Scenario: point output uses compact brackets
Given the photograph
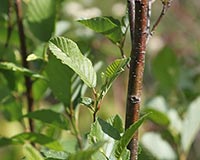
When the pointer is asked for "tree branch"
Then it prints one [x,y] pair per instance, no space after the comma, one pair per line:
[138,29]
[22,38]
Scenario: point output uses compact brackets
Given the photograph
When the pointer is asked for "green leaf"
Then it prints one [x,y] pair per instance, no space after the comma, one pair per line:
[86,154]
[54,154]
[127,136]
[12,110]
[37,138]
[111,73]
[31,153]
[166,69]
[107,26]
[50,117]
[41,13]
[158,117]
[59,80]
[5,141]
[98,135]
[68,52]
[117,123]
[13,67]
[157,146]
[109,129]
[39,89]
[191,125]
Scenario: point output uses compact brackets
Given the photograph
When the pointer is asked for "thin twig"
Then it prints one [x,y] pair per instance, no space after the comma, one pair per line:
[22,38]
[70,114]
[163,11]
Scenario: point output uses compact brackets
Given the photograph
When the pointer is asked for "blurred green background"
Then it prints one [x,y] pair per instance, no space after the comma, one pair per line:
[172,70]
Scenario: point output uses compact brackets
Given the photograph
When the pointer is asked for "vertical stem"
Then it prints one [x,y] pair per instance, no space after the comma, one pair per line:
[138,27]
[28,83]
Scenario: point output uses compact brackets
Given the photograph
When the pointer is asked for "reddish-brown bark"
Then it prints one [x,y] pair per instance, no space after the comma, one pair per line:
[138,29]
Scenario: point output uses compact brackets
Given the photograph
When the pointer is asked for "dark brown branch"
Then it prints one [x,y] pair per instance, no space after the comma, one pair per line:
[22,38]
[138,29]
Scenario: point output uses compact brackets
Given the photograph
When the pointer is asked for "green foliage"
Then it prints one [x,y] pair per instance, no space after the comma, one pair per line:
[107,26]
[41,13]
[111,73]
[32,137]
[31,153]
[191,125]
[63,76]
[69,54]
[48,116]
[127,136]
[12,67]
[166,69]
[59,80]
[86,154]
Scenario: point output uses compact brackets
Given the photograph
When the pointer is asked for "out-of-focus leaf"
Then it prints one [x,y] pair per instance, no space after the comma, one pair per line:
[5,141]
[127,136]
[158,147]
[32,137]
[69,54]
[107,26]
[176,123]
[41,13]
[37,138]
[59,79]
[191,125]
[39,88]
[12,110]
[12,67]
[166,69]
[31,153]
[54,154]
[158,117]
[86,154]
[158,103]
[50,117]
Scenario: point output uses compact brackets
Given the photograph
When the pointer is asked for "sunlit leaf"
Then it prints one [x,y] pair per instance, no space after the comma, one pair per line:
[13,67]
[31,153]
[61,155]
[111,73]
[107,26]
[69,54]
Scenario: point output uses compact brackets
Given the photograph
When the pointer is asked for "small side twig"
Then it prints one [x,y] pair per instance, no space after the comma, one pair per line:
[22,38]
[166,5]
[70,114]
